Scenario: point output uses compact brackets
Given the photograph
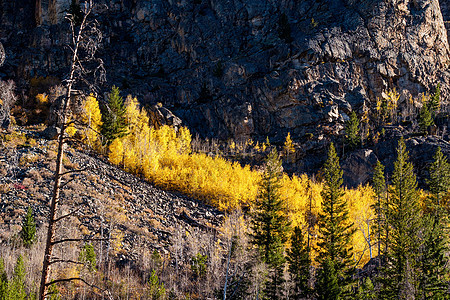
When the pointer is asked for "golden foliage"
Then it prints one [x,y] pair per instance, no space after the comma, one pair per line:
[91,118]
[116,152]
[164,156]
[362,215]
[42,99]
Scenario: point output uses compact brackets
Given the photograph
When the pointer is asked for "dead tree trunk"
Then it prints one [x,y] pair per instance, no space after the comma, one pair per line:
[77,40]
[38,12]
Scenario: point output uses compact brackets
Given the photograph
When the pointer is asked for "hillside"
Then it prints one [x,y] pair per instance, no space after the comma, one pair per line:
[109,203]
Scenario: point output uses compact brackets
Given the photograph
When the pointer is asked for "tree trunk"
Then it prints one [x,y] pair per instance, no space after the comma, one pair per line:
[52,12]
[55,199]
[58,174]
[38,12]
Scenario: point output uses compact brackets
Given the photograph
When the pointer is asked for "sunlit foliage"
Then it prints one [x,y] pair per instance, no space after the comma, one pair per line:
[164,156]
[91,118]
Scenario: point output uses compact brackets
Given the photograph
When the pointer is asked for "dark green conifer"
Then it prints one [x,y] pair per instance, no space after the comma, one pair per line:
[439,181]
[381,228]
[3,281]
[28,232]
[327,285]
[113,117]
[435,101]
[366,290]
[380,206]
[335,233]
[425,119]
[404,219]
[299,260]
[270,224]
[352,137]
[16,287]
[433,284]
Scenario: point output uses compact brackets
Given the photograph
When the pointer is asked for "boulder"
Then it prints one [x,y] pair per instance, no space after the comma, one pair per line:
[51,133]
[358,167]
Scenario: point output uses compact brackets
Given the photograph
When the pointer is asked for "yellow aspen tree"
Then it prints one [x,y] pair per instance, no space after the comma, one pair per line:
[289,147]
[92,118]
[184,141]
[70,129]
[116,152]
[360,201]
[132,113]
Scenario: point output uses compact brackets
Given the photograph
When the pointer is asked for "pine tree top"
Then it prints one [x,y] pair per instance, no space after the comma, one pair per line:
[439,181]
[335,228]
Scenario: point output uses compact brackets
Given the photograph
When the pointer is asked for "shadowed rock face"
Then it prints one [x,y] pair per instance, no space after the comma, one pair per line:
[251,68]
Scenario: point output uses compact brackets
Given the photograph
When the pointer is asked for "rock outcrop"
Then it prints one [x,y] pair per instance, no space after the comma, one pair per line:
[253,68]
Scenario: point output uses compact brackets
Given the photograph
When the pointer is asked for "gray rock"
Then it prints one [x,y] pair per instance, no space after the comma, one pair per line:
[341,53]
[358,167]
[51,132]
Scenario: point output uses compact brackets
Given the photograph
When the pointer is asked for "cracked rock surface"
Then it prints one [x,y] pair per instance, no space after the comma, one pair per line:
[252,68]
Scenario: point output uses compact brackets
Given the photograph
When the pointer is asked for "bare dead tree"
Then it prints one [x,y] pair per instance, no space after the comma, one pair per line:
[7,100]
[86,39]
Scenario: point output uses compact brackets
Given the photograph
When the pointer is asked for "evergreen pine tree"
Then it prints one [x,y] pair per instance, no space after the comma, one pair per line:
[381,228]
[366,290]
[380,206]
[335,234]
[433,284]
[270,224]
[439,181]
[435,101]
[28,232]
[3,281]
[16,287]
[113,118]
[403,217]
[425,119]
[327,285]
[352,137]
[299,260]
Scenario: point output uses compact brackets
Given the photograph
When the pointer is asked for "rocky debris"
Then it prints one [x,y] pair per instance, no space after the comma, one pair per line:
[238,70]
[106,196]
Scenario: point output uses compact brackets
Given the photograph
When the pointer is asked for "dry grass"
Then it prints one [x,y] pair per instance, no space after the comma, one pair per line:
[32,258]
[5,188]
[35,175]
[28,182]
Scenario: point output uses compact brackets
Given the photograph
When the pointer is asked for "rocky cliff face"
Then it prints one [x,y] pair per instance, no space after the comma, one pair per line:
[248,68]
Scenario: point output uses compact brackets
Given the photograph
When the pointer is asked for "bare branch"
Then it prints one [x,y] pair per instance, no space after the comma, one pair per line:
[68,215]
[71,279]
[66,261]
[81,240]
[61,186]
[75,171]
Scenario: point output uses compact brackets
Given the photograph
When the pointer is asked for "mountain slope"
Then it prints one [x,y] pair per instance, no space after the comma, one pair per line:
[253,68]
